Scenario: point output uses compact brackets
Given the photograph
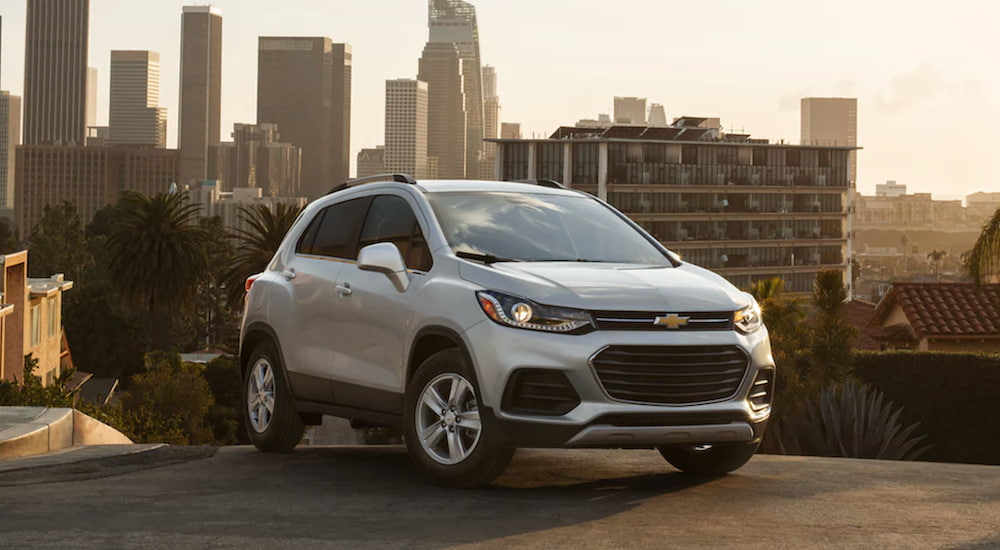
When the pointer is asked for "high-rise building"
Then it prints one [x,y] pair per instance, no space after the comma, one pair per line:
[657,116]
[91,96]
[832,121]
[454,21]
[135,115]
[198,117]
[728,205]
[10,138]
[89,177]
[55,72]
[304,86]
[890,189]
[441,68]
[211,200]
[510,130]
[491,123]
[406,127]
[630,110]
[256,158]
[371,162]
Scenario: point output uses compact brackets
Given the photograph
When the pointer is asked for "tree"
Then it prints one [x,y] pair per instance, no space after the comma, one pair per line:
[156,254]
[832,336]
[168,401]
[256,245]
[57,244]
[8,236]
[216,320]
[936,256]
[982,261]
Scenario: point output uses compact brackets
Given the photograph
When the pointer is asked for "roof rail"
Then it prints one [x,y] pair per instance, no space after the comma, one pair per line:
[400,178]
[543,182]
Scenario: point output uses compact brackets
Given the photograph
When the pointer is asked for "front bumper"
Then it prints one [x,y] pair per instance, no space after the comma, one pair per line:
[600,420]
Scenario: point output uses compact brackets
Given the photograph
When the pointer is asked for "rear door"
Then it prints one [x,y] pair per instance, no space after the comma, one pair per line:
[328,244]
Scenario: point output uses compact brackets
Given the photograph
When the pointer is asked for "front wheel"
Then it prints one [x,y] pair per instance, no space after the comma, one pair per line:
[709,460]
[446,439]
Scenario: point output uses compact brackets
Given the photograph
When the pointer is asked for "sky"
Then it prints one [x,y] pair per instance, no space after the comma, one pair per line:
[926,74]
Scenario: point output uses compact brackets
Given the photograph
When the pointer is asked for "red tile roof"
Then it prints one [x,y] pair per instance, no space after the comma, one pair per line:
[945,309]
[859,313]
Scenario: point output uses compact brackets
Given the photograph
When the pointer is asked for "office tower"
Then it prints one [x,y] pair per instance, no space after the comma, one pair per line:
[55,72]
[10,138]
[454,21]
[630,110]
[201,89]
[135,115]
[510,130]
[406,127]
[371,162]
[441,68]
[91,96]
[657,116]
[257,159]
[832,121]
[304,86]
[89,177]
[491,123]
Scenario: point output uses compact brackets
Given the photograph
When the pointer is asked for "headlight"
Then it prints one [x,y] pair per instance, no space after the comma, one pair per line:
[520,313]
[749,319]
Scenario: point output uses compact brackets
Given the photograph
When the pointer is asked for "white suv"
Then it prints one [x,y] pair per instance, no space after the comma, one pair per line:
[479,317]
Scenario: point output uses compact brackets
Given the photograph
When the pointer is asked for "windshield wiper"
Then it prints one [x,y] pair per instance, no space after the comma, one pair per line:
[485,258]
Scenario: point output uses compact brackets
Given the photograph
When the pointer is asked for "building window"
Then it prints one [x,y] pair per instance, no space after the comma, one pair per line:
[53,317]
[36,325]
[586,159]
[549,161]
[515,161]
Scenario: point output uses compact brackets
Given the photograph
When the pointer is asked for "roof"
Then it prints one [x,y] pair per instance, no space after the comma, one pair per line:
[859,314]
[945,309]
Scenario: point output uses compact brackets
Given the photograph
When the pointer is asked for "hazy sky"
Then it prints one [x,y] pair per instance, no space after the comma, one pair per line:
[926,74]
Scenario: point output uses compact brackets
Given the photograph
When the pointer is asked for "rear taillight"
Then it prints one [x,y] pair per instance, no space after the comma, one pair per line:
[249,283]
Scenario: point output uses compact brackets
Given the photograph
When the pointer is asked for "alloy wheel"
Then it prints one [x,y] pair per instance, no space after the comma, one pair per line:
[260,395]
[447,419]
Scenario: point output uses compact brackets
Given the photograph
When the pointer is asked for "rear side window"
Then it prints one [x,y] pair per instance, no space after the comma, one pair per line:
[390,219]
[334,231]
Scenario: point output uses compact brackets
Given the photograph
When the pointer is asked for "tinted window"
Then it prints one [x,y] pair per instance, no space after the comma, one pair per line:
[306,241]
[337,232]
[390,219]
[536,227]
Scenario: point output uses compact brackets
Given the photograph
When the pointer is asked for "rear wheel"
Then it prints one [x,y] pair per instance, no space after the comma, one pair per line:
[709,460]
[446,439]
[269,413]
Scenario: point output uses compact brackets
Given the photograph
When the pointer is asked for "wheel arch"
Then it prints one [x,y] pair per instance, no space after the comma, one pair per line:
[430,340]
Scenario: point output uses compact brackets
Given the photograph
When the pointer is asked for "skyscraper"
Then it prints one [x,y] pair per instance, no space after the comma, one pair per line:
[55,72]
[441,68]
[630,110]
[454,21]
[91,96]
[304,86]
[371,162]
[657,116]
[406,127]
[256,159]
[10,137]
[201,89]
[136,117]
[832,121]
[491,123]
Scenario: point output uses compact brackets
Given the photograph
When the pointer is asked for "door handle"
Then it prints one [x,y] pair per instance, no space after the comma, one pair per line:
[344,289]
[289,273]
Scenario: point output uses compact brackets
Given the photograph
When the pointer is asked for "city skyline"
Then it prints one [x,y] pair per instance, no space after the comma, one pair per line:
[907,73]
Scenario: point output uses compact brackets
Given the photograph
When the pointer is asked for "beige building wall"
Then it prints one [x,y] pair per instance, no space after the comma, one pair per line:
[831,121]
[406,127]
[630,110]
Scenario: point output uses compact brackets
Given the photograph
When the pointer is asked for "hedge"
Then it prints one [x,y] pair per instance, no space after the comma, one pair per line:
[954,396]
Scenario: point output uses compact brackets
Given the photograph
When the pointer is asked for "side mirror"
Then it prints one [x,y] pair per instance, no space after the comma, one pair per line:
[386,259]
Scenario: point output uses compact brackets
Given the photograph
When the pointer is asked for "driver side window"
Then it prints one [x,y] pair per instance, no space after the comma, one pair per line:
[390,219]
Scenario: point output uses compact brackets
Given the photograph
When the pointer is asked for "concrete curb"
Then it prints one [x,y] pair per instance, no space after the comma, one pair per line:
[39,430]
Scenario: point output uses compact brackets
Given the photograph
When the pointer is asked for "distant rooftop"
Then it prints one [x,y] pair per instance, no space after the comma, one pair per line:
[203,9]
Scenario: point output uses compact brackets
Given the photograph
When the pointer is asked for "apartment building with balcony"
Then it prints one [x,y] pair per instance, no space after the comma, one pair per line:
[746,208]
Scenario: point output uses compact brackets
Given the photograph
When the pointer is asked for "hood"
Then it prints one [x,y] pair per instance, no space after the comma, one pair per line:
[615,287]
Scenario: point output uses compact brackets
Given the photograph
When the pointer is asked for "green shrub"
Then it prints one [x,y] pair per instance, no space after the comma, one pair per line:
[955,397]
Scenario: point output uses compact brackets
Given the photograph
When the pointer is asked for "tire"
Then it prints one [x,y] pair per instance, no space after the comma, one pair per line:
[453,453]
[278,428]
[709,460]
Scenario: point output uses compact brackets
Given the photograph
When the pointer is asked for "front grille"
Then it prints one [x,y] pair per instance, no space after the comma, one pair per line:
[537,391]
[675,375]
[645,320]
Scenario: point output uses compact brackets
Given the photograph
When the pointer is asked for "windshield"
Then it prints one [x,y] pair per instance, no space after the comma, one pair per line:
[540,228]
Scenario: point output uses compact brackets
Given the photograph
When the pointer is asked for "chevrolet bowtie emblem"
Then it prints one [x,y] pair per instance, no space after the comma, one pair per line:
[672,321]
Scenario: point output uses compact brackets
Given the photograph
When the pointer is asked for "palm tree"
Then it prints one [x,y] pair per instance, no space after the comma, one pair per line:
[982,261]
[936,256]
[157,254]
[256,245]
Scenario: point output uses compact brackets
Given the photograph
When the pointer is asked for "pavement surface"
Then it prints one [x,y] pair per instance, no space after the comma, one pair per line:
[370,497]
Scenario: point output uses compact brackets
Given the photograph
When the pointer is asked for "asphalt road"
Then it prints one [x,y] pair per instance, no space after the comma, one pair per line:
[322,497]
